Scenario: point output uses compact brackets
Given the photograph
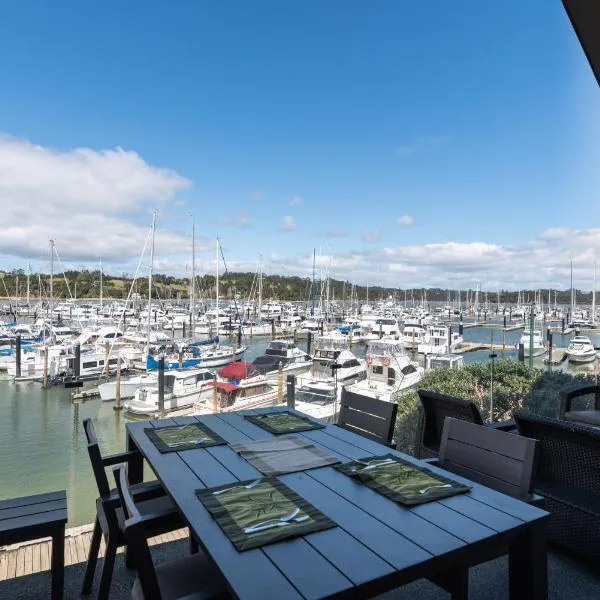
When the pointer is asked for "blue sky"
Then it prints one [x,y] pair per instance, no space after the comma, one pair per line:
[412,143]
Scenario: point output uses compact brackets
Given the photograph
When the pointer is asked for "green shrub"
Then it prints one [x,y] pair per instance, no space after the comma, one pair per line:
[516,386]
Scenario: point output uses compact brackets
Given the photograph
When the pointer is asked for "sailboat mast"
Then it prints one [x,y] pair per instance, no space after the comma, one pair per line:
[572,295]
[150,273]
[101,287]
[28,274]
[312,286]
[260,287]
[193,287]
[217,290]
[51,280]
[594,297]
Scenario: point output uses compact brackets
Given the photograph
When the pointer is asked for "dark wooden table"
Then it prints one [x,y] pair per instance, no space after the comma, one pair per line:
[378,544]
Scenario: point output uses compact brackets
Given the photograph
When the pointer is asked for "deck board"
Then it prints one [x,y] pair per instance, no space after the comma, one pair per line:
[34,557]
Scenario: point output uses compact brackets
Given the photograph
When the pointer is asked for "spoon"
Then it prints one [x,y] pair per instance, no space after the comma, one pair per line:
[274,522]
[233,487]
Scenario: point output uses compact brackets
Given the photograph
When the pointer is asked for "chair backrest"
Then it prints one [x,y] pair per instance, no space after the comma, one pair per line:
[436,407]
[137,538]
[369,417]
[567,396]
[569,458]
[96,458]
[497,459]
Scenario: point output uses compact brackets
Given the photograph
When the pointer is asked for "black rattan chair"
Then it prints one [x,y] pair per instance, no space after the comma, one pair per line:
[435,407]
[151,499]
[586,416]
[568,476]
[194,577]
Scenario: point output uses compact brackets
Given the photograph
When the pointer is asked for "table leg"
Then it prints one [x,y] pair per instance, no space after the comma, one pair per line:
[528,564]
[58,564]
[135,466]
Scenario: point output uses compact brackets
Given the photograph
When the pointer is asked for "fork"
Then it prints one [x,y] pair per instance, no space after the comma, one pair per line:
[198,441]
[285,520]
[425,490]
[233,487]
[373,464]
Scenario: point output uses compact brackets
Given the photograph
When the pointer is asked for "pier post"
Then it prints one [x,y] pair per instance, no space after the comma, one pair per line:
[322,327]
[280,384]
[77,365]
[239,339]
[504,321]
[18,356]
[309,343]
[550,344]
[563,324]
[117,405]
[380,330]
[215,397]
[291,391]
[460,328]
[161,385]
[272,329]
[106,355]
[521,354]
[46,367]
[180,358]
[184,326]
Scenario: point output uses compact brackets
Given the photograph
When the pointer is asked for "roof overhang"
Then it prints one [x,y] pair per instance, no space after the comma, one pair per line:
[585,18]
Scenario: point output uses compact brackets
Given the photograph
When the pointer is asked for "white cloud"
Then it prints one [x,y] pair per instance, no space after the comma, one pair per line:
[405,220]
[288,223]
[371,236]
[240,220]
[94,204]
[296,201]
[336,232]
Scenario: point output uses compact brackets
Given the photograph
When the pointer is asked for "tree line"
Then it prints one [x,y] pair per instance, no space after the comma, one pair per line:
[86,284]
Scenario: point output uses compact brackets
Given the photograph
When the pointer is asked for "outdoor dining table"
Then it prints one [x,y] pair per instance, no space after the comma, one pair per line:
[377,544]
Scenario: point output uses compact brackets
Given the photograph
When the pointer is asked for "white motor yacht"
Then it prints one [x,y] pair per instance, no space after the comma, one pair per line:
[182,390]
[537,346]
[581,350]
[439,339]
[284,354]
[389,371]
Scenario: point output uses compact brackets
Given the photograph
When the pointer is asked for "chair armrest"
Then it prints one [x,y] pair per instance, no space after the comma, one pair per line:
[120,457]
[502,425]
[148,490]
[431,461]
[158,520]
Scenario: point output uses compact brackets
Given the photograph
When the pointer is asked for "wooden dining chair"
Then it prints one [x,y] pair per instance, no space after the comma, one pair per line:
[194,577]
[109,523]
[499,460]
[372,418]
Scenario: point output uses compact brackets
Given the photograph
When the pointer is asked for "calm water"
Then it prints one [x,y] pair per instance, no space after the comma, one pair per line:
[43,448]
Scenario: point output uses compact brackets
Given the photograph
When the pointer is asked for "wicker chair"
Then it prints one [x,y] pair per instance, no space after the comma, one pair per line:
[435,408]
[589,417]
[568,476]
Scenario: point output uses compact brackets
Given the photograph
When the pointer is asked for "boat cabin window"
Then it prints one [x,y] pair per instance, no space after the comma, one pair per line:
[409,369]
[350,363]
[169,383]
[391,376]
[91,364]
[203,377]
[377,370]
[113,361]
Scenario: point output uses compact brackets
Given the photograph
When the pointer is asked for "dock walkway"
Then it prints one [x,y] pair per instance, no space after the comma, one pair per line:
[34,557]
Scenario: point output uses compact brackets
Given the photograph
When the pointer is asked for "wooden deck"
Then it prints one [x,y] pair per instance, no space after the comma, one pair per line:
[33,557]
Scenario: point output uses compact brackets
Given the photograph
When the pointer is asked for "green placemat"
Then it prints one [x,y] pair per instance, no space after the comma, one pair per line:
[257,512]
[176,438]
[283,421]
[402,481]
